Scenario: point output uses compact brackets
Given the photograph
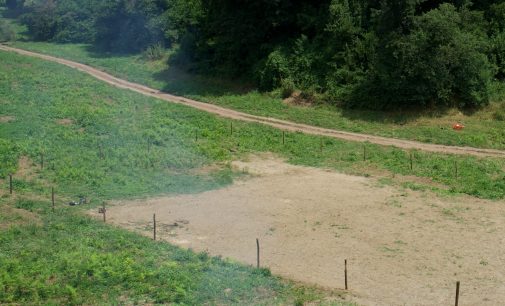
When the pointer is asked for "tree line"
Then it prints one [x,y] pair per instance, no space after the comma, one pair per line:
[376,54]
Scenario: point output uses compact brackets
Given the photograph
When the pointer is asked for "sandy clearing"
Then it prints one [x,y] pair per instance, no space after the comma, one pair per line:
[403,247]
[276,123]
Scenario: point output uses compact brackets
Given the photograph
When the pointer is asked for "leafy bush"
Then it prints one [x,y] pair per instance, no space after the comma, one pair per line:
[154,52]
[287,88]
[6,32]
[275,69]
[436,64]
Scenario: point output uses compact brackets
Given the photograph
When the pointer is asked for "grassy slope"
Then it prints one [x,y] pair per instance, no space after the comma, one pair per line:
[71,259]
[122,123]
[482,130]
[67,258]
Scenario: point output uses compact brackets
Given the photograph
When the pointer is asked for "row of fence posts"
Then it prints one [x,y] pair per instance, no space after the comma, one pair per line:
[103,211]
[365,154]
[258,252]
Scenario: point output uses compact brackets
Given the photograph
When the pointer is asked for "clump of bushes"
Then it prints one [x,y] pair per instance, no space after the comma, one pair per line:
[154,52]
[6,32]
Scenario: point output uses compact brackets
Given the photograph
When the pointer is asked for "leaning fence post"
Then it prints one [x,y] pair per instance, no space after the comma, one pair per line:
[257,253]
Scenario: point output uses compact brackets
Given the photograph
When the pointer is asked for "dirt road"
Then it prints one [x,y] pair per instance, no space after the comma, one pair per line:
[276,123]
[403,247]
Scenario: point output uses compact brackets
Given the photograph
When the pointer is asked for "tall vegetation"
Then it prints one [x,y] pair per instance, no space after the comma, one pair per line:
[385,54]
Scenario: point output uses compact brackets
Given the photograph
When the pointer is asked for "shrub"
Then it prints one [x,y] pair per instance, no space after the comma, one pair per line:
[154,52]
[287,88]
[274,70]
[436,64]
[6,32]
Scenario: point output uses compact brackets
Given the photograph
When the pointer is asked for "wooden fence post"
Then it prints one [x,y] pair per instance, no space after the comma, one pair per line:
[52,198]
[154,227]
[10,183]
[457,293]
[345,274]
[257,253]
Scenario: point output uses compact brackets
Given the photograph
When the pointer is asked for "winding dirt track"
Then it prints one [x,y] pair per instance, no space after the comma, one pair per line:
[276,123]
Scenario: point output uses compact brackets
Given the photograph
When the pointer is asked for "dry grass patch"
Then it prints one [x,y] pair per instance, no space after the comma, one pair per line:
[7,119]
[10,216]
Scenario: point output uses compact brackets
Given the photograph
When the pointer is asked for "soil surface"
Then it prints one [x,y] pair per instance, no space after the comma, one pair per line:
[403,247]
[277,123]
[6,119]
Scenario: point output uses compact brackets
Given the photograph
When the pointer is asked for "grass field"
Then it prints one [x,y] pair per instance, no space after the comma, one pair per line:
[112,143]
[107,143]
[484,128]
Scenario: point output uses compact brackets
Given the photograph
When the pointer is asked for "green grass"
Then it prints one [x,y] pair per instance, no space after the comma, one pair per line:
[485,128]
[73,260]
[122,144]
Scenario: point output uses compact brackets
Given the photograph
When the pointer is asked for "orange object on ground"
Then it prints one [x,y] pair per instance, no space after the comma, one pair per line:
[458,127]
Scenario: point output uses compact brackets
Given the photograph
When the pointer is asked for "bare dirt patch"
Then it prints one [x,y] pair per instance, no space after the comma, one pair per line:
[26,169]
[7,119]
[403,247]
[65,121]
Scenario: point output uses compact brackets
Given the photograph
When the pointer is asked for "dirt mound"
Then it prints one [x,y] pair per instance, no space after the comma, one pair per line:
[403,247]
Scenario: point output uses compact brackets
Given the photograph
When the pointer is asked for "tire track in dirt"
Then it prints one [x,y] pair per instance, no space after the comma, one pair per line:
[276,123]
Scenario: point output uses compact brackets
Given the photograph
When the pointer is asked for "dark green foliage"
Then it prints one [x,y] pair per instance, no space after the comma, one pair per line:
[435,64]
[388,54]
[129,25]
[6,32]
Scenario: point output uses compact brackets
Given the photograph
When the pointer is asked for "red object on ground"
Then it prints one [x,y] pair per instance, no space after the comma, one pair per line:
[458,126]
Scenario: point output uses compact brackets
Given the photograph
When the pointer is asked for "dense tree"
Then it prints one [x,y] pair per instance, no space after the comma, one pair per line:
[357,53]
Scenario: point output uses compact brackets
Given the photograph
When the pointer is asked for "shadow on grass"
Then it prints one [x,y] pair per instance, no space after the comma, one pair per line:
[179,81]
